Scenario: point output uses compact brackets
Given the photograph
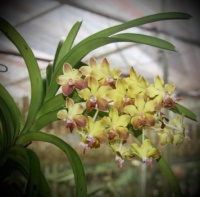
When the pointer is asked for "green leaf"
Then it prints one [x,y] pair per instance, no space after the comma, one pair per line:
[33,69]
[60,43]
[44,187]
[79,175]
[34,175]
[138,22]
[8,132]
[18,155]
[12,115]
[67,44]
[57,102]
[44,120]
[165,168]
[145,39]
[177,108]
[49,72]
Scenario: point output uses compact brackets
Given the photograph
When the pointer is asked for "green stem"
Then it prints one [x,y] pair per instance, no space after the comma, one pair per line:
[95,115]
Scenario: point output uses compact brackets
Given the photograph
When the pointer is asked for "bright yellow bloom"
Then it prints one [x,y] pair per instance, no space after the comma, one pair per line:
[101,72]
[136,84]
[73,116]
[93,134]
[116,125]
[165,136]
[164,93]
[121,151]
[173,132]
[146,151]
[95,95]
[70,79]
[142,113]
[119,95]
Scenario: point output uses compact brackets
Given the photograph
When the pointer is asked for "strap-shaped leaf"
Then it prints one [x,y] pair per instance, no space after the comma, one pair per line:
[79,175]
[166,170]
[49,72]
[177,108]
[138,22]
[34,73]
[44,120]
[57,102]
[145,39]
[13,118]
[27,162]
[44,187]
[34,174]
[19,156]
[67,44]
[8,131]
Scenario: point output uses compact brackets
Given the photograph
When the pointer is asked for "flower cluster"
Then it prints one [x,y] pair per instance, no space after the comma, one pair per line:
[111,105]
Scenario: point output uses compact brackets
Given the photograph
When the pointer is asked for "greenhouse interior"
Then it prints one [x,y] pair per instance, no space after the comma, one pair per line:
[43,24]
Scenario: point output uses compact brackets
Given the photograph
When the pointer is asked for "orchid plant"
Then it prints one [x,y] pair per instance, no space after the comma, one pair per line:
[93,99]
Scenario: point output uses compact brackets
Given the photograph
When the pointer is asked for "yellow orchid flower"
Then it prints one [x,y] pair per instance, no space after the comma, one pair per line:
[95,95]
[73,116]
[92,70]
[116,125]
[165,137]
[119,95]
[146,151]
[136,84]
[101,72]
[121,151]
[142,112]
[173,132]
[93,134]
[164,93]
[70,79]
[178,129]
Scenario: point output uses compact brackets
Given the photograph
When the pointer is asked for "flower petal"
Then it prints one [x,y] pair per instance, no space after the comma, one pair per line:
[136,123]
[62,79]
[93,85]
[115,72]
[149,120]
[67,89]
[150,106]
[93,62]
[158,82]
[123,120]
[139,103]
[85,70]
[67,69]
[77,109]
[80,120]
[62,114]
[169,88]
[123,132]
[151,91]
[130,109]
[105,66]
[102,104]
[80,84]
[84,93]
[114,115]
[121,86]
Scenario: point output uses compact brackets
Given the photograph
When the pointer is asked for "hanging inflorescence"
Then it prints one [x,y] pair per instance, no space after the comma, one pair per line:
[111,105]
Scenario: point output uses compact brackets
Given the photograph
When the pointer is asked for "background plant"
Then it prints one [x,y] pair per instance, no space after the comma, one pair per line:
[16,134]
